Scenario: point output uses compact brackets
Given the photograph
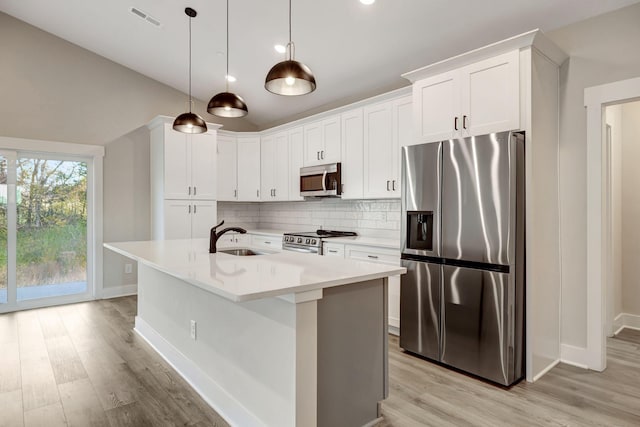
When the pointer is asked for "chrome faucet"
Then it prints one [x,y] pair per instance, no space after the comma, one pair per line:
[214,236]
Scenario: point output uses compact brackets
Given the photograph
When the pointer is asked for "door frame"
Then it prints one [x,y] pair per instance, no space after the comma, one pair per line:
[596,99]
[93,155]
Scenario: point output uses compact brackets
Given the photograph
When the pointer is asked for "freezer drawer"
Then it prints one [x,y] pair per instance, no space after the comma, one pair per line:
[478,324]
[420,308]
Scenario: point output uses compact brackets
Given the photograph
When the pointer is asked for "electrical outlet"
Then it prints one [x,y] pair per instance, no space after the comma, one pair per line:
[193,329]
[128,268]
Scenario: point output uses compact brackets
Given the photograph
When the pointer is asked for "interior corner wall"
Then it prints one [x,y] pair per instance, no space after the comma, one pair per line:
[630,250]
[614,291]
[53,90]
[127,192]
[602,49]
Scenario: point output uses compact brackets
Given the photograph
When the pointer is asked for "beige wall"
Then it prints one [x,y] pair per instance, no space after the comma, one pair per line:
[602,49]
[630,212]
[51,89]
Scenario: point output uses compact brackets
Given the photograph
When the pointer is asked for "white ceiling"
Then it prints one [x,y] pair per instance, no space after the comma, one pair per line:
[353,50]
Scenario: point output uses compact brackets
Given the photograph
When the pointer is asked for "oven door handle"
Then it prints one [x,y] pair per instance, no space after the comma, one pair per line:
[324,181]
[302,250]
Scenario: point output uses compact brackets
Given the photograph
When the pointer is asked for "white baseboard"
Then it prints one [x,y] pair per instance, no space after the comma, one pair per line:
[545,370]
[119,291]
[576,356]
[225,405]
[626,320]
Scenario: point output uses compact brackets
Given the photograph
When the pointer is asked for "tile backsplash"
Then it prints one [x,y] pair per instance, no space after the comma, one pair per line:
[376,218]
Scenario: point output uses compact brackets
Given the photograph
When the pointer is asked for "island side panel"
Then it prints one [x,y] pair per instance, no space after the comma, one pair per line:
[352,353]
[245,351]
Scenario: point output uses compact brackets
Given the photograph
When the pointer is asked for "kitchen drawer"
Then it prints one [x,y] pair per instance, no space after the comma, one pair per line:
[267,242]
[372,254]
[333,249]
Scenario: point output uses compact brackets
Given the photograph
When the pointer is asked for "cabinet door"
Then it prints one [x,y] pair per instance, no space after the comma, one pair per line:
[177,220]
[313,143]
[491,95]
[204,215]
[378,151]
[331,138]
[248,169]
[177,176]
[227,170]
[203,166]
[352,154]
[267,167]
[402,129]
[296,161]
[436,106]
[281,167]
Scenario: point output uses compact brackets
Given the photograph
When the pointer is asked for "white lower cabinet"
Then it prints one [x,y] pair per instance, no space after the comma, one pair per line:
[234,240]
[378,255]
[186,219]
[273,243]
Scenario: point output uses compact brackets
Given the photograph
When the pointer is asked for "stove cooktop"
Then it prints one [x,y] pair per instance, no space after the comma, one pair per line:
[313,238]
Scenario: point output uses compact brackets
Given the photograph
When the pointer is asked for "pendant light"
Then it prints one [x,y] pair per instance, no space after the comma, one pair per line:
[290,77]
[190,122]
[227,104]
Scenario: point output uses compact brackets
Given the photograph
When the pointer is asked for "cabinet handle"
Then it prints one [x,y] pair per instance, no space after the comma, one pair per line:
[257,193]
[267,243]
[317,155]
[194,190]
[455,123]
[235,193]
[189,190]
[194,208]
[464,122]
[274,192]
[372,256]
[189,208]
[388,185]
[322,154]
[333,251]
[393,185]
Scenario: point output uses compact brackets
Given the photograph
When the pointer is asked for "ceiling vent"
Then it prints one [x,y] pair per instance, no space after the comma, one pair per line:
[144,15]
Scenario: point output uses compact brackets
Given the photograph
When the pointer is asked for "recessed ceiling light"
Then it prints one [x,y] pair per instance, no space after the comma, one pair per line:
[230,78]
[280,49]
[367,2]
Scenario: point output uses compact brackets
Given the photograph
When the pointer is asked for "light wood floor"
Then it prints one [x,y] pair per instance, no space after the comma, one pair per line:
[82,365]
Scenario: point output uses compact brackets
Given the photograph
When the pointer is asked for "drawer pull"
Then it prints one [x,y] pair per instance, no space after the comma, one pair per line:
[333,251]
[372,256]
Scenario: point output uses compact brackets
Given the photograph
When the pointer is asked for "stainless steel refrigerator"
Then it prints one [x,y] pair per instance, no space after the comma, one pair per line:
[462,299]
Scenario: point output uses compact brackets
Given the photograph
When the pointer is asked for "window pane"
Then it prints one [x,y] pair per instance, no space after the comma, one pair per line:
[52,228]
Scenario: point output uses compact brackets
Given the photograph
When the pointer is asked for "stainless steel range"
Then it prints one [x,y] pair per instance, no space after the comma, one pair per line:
[310,242]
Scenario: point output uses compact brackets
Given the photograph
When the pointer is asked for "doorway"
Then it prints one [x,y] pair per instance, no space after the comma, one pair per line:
[599,212]
[47,224]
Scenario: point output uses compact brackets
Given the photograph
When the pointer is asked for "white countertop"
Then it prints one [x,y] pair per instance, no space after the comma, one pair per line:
[247,278]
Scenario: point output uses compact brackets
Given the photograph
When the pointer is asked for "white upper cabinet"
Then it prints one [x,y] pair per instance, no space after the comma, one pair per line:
[275,167]
[322,142]
[296,160]
[248,168]
[387,127]
[227,168]
[477,99]
[189,164]
[203,166]
[352,154]
[379,151]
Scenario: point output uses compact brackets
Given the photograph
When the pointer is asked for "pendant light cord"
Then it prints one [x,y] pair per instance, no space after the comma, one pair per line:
[190,101]
[226,78]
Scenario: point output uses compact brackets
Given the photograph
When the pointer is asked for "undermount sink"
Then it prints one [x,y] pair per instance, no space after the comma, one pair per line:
[243,252]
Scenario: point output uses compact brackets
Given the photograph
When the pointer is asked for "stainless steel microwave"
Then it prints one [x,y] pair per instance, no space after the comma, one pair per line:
[321,181]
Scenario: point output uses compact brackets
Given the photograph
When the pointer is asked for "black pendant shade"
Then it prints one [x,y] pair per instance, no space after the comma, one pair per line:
[227,104]
[290,78]
[190,122]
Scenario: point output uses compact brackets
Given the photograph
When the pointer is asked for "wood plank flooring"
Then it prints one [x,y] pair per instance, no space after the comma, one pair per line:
[82,365]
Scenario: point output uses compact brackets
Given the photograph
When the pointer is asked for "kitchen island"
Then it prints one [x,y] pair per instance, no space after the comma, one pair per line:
[281,339]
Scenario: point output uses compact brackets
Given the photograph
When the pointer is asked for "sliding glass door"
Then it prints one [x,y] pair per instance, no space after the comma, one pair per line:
[43,229]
